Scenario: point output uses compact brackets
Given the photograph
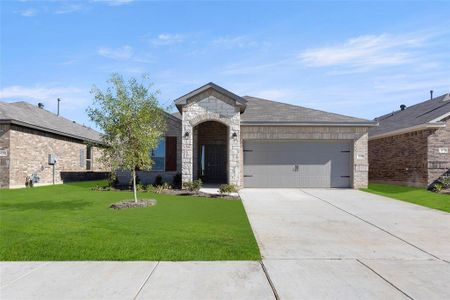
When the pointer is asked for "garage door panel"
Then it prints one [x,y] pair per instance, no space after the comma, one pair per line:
[297,164]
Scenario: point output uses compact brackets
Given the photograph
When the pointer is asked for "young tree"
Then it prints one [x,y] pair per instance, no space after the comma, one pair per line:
[132,121]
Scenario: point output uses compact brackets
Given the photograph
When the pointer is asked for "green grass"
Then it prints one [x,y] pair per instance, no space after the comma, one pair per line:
[414,195]
[71,222]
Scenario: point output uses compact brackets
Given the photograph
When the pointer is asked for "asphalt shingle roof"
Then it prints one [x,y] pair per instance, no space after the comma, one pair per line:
[415,115]
[29,115]
[267,111]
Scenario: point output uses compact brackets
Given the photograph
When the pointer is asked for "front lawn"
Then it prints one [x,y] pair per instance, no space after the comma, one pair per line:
[414,195]
[71,222]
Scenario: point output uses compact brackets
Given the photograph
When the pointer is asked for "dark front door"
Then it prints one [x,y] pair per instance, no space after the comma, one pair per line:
[215,164]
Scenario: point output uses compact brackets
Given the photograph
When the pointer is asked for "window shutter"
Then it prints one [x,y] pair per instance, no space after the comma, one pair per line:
[82,159]
[171,153]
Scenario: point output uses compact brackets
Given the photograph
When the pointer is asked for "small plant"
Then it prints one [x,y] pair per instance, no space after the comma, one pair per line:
[227,189]
[193,186]
[445,180]
[177,181]
[436,187]
[98,188]
[141,187]
[158,180]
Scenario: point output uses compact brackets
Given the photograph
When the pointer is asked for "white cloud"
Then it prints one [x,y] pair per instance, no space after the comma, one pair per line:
[28,12]
[114,2]
[167,39]
[68,8]
[367,51]
[235,42]
[122,53]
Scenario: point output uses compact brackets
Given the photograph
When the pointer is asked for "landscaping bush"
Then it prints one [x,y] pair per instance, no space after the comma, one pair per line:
[158,180]
[193,186]
[436,187]
[442,183]
[141,187]
[227,188]
[98,188]
[177,181]
[163,187]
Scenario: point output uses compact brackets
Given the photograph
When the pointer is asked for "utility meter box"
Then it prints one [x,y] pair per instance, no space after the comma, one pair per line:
[52,159]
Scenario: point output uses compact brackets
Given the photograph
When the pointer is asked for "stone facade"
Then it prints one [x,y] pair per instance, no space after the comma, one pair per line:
[28,154]
[411,158]
[356,134]
[4,158]
[211,106]
[438,163]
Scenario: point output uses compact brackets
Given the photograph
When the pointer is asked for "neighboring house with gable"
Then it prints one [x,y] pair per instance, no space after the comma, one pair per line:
[29,134]
[220,137]
[411,146]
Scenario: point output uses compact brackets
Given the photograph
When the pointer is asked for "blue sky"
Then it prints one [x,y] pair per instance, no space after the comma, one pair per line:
[356,58]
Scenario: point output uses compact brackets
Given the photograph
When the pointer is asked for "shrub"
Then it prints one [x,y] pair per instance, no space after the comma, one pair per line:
[445,180]
[193,186]
[177,181]
[163,187]
[98,188]
[436,187]
[227,188]
[158,180]
[141,187]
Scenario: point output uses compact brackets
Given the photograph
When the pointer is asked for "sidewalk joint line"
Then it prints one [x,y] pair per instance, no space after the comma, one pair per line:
[146,280]
[390,283]
[24,275]
[370,223]
[272,286]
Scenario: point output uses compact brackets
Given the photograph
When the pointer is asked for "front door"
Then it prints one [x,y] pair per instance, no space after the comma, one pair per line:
[214,165]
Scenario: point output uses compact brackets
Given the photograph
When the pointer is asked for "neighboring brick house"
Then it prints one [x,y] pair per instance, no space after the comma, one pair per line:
[220,137]
[411,146]
[29,134]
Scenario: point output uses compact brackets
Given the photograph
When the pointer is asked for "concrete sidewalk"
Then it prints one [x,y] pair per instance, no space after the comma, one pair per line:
[134,280]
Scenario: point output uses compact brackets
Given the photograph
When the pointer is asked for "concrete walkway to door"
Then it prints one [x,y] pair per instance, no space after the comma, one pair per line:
[347,244]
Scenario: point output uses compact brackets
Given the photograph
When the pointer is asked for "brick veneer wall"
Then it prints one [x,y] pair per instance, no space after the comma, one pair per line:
[411,158]
[4,160]
[29,149]
[400,159]
[356,134]
[438,163]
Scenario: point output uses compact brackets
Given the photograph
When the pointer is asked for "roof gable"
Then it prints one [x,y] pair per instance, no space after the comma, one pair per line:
[183,100]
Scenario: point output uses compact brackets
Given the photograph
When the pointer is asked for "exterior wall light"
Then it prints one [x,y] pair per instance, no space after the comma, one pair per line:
[234,135]
[186,134]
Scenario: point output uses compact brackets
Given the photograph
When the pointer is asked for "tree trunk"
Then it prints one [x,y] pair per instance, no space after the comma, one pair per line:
[134,186]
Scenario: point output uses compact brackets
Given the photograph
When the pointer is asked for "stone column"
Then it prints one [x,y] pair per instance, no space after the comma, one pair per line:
[186,151]
[360,162]
[234,150]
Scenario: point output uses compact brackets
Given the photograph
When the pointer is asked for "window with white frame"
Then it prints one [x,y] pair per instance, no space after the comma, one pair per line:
[158,156]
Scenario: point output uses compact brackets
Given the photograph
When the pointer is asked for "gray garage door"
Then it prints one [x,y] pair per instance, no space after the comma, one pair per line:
[297,164]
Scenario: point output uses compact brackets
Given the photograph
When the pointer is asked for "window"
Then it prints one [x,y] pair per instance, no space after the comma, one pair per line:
[164,156]
[158,156]
[89,158]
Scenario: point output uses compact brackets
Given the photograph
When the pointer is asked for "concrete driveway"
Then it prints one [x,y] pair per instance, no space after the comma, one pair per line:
[347,244]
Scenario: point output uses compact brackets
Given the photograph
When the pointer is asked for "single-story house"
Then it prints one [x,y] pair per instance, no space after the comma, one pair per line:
[220,137]
[32,139]
[411,145]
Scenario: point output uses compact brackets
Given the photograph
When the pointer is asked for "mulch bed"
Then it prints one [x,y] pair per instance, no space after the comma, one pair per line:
[179,192]
[133,204]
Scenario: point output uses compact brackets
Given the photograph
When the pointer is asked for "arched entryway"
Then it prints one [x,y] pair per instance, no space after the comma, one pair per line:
[210,161]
